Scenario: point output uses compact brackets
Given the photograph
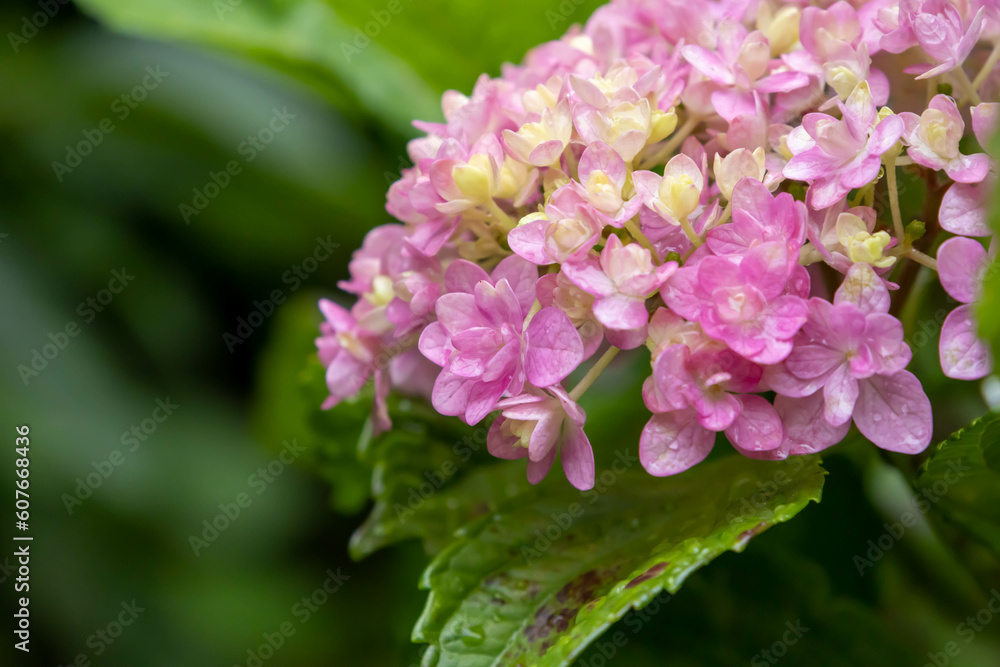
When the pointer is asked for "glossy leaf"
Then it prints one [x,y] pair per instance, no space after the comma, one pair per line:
[550,570]
[961,479]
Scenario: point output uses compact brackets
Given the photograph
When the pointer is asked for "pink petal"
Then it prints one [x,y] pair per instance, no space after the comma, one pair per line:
[522,275]
[463,275]
[806,431]
[673,442]
[964,356]
[600,157]
[621,312]
[960,261]
[577,456]
[963,209]
[537,470]
[588,276]
[969,168]
[503,446]
[758,426]
[717,412]
[554,348]
[841,394]
[708,63]
[451,393]
[895,413]
[528,241]
[482,399]
[457,312]
[864,288]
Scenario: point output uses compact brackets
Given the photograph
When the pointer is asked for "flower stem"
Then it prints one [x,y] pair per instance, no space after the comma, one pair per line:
[897,219]
[691,234]
[966,85]
[637,234]
[594,373]
[988,66]
[922,258]
[676,140]
[500,216]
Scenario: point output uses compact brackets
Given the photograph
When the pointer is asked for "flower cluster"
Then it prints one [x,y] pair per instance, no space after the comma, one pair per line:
[714,181]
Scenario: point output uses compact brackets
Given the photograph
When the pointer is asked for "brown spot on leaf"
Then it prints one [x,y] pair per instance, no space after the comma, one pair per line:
[647,575]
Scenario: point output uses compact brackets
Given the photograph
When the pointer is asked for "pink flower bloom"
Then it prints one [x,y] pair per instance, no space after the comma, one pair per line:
[602,173]
[567,230]
[704,387]
[835,156]
[825,32]
[677,193]
[854,350]
[740,64]
[932,139]
[760,217]
[963,208]
[937,26]
[621,281]
[541,142]
[961,265]
[348,352]
[741,301]
[555,289]
[537,424]
[482,343]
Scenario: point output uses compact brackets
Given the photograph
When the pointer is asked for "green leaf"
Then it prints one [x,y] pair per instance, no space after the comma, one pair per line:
[303,38]
[432,475]
[961,479]
[539,579]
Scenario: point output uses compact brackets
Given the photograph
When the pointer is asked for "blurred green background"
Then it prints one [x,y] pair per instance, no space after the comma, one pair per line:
[113,529]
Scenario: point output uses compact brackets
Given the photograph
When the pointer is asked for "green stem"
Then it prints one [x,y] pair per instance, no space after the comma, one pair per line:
[594,373]
[637,234]
[966,85]
[988,66]
[691,234]
[660,157]
[897,219]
